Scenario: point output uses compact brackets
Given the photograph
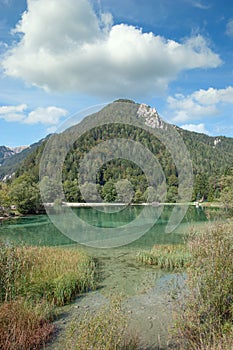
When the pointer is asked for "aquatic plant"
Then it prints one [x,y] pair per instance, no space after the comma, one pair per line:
[167,257]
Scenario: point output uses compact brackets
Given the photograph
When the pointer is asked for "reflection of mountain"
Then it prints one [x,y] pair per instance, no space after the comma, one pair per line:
[38,230]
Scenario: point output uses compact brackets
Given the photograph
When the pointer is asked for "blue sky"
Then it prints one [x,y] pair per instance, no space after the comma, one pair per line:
[60,57]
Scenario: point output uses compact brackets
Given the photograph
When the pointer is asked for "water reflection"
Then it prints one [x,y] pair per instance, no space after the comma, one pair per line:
[38,230]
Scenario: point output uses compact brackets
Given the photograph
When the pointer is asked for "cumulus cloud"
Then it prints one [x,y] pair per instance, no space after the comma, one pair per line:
[200,128]
[48,116]
[13,113]
[65,46]
[201,103]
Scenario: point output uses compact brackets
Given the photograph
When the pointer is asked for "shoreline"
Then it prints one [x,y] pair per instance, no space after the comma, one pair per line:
[94,204]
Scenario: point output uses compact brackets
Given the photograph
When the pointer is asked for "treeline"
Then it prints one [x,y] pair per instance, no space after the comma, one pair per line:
[212,166]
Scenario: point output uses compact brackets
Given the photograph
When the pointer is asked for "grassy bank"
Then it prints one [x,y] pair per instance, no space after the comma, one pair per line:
[33,281]
[167,257]
[205,319]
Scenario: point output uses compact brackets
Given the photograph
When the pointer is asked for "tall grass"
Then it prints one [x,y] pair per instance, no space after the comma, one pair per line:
[24,326]
[167,257]
[54,274]
[105,330]
[205,320]
[45,277]
[58,274]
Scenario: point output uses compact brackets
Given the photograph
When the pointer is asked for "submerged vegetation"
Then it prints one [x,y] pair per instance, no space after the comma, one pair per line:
[205,319]
[33,280]
[167,257]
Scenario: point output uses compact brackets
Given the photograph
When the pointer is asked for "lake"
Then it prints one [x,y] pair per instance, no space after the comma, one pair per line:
[39,230]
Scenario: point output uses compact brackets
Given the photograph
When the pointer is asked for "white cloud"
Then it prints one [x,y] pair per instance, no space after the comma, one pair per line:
[198,105]
[200,128]
[13,113]
[229,28]
[48,116]
[64,46]
[200,5]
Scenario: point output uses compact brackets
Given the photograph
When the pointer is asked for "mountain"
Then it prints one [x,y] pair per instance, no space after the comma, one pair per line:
[124,119]
[18,149]
[12,158]
[5,152]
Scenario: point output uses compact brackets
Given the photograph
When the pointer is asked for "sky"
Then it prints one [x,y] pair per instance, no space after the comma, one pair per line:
[58,57]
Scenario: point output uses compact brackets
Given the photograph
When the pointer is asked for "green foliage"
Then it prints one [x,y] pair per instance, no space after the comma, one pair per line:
[4,198]
[109,192]
[205,321]
[226,193]
[210,161]
[25,194]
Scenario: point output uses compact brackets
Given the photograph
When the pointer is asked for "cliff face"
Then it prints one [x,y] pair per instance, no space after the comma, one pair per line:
[5,152]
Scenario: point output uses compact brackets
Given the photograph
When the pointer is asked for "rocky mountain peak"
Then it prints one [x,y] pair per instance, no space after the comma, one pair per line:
[151,116]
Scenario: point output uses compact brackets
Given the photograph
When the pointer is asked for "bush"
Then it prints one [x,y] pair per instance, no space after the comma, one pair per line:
[206,318]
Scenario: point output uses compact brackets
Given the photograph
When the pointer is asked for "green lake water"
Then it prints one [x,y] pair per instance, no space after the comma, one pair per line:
[39,230]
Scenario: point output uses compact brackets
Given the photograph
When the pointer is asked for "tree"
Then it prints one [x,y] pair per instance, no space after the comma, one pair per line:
[226,194]
[4,198]
[109,192]
[50,189]
[125,192]
[25,194]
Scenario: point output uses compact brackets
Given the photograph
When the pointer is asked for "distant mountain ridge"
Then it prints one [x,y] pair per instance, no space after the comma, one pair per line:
[12,158]
[5,152]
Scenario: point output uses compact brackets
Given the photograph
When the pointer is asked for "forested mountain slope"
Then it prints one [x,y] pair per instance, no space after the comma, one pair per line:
[211,156]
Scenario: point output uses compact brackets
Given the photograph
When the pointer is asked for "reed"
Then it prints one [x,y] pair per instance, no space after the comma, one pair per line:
[24,326]
[167,257]
[58,274]
[205,318]
[33,281]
